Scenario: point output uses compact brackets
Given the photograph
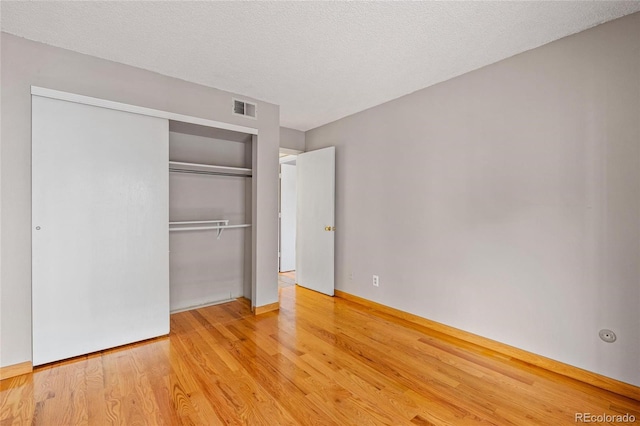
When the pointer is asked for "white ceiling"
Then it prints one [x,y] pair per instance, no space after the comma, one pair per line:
[319,61]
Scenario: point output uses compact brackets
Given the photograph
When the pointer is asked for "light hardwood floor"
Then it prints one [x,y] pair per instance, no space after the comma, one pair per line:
[319,361]
[286,279]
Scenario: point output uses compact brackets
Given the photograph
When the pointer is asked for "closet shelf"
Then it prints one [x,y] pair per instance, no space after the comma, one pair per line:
[181,226]
[208,169]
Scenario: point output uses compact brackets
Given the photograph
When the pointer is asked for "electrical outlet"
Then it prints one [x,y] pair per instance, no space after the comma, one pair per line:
[376,281]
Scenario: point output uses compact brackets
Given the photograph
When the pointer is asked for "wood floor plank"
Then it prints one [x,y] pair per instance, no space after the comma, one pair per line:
[23,412]
[161,379]
[206,380]
[405,370]
[318,361]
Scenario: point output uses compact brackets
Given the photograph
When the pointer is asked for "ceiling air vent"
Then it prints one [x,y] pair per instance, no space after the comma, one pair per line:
[244,108]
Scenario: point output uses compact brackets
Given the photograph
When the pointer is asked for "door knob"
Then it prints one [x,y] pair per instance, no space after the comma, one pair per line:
[329,228]
[37,228]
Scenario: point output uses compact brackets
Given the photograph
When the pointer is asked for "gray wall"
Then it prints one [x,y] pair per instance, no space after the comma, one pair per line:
[26,63]
[505,202]
[292,139]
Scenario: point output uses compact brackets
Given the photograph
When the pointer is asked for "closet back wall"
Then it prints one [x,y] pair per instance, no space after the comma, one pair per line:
[204,269]
[26,63]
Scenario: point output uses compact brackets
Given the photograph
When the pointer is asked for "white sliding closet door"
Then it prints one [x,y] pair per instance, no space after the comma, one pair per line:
[100,237]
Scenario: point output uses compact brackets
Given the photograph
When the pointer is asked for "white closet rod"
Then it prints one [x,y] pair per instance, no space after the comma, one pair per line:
[194,222]
[203,228]
[220,228]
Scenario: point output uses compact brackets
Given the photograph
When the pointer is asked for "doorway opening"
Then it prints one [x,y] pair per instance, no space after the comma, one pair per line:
[287,194]
[307,220]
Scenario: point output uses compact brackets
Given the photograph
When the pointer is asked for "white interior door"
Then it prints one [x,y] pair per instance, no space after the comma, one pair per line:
[315,220]
[287,217]
[100,217]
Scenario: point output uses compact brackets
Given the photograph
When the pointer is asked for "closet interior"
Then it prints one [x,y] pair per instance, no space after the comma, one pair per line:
[210,173]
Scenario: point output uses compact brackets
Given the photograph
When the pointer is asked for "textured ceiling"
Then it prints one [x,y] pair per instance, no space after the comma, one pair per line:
[319,61]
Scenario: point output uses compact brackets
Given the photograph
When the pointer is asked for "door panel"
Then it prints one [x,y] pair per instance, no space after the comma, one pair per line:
[100,239]
[315,220]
